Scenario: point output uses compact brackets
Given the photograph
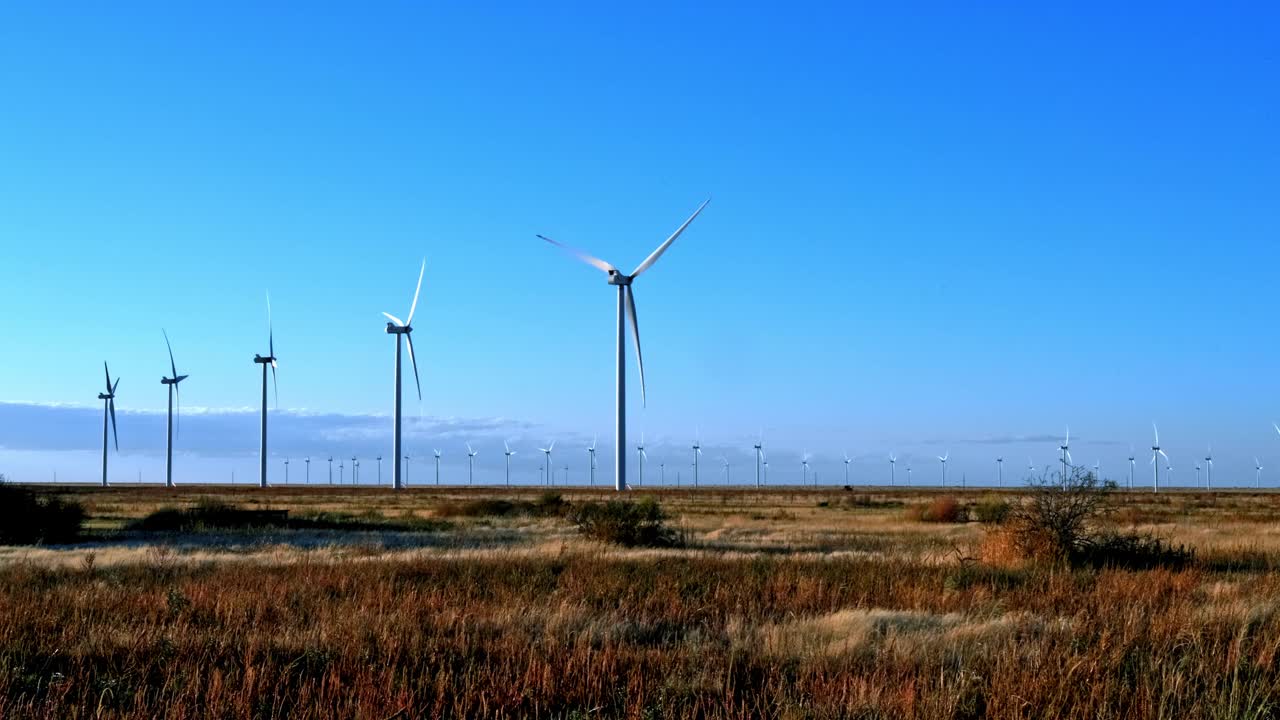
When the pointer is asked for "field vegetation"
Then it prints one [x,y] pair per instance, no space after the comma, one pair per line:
[724,603]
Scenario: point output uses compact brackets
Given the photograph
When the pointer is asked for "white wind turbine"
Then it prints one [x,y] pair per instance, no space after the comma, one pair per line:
[1257,481]
[893,465]
[403,329]
[547,451]
[641,457]
[591,461]
[725,460]
[1066,455]
[509,453]
[270,359]
[846,468]
[1208,469]
[172,382]
[697,453]
[108,399]
[804,463]
[1156,453]
[627,315]
[1097,470]
[471,457]
[943,459]
[759,448]
[437,467]
[999,471]
[1131,463]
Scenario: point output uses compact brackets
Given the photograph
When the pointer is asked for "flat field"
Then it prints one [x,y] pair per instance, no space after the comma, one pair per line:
[786,603]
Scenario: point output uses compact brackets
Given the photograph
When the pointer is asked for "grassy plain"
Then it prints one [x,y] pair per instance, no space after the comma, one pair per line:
[787,603]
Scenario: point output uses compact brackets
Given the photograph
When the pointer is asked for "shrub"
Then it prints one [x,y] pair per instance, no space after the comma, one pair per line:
[943,509]
[991,511]
[548,504]
[631,524]
[27,518]
[209,515]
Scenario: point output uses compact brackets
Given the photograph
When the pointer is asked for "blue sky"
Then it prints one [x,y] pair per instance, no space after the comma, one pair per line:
[933,227]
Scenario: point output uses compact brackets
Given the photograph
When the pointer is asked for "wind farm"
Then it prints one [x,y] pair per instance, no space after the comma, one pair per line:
[866,238]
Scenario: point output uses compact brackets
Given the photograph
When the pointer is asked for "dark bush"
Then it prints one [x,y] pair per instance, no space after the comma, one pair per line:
[548,504]
[944,509]
[991,511]
[1132,551]
[27,518]
[631,524]
[209,515]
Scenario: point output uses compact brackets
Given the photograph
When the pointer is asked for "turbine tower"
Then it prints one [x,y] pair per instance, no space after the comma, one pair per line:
[591,462]
[893,470]
[330,469]
[380,470]
[1156,452]
[471,455]
[1208,470]
[406,469]
[626,314]
[641,457]
[804,464]
[270,360]
[725,460]
[108,399]
[1066,455]
[172,382]
[286,471]
[308,472]
[943,459]
[1130,467]
[437,467]
[697,452]
[1000,472]
[547,451]
[507,448]
[759,448]
[846,468]
[1257,481]
[403,329]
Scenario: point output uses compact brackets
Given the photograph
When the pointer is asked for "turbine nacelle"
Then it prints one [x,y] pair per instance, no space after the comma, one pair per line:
[393,329]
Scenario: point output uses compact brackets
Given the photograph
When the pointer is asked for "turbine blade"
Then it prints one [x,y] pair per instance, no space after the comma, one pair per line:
[108,374]
[409,339]
[394,319]
[274,385]
[271,337]
[635,334]
[666,244]
[414,306]
[552,446]
[111,404]
[584,257]
[113,387]
[1166,457]
[1156,430]
[172,365]
[1069,460]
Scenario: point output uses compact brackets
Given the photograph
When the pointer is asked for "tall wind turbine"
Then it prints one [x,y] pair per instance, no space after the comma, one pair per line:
[403,329]
[286,471]
[626,314]
[380,471]
[507,449]
[330,469]
[341,473]
[943,459]
[1156,452]
[172,382]
[764,461]
[471,456]
[108,399]
[725,460]
[999,471]
[406,470]
[269,359]
[759,448]
[1208,469]
[1066,455]
[437,467]
[308,473]
[591,462]
[1097,470]
[1130,467]
[893,470]
[547,451]
[1257,480]
[697,452]
[908,474]
[804,463]
[846,468]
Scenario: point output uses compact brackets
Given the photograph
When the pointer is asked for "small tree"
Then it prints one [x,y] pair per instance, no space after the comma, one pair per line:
[1062,516]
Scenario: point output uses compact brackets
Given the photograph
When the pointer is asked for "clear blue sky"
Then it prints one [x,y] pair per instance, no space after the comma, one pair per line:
[934,227]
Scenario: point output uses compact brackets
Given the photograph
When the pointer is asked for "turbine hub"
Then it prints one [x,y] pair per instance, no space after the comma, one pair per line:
[105,396]
[617,278]
[262,360]
[393,329]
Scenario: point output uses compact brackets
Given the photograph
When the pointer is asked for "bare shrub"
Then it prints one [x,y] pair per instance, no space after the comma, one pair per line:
[943,509]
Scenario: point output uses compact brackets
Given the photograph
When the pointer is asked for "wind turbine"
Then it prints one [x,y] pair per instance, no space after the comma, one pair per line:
[270,360]
[108,399]
[437,467]
[641,457]
[697,452]
[406,470]
[893,470]
[1000,471]
[846,468]
[286,471]
[626,314]
[547,451]
[1097,470]
[507,448]
[1197,474]
[308,473]
[725,460]
[172,382]
[908,474]
[1156,452]
[471,455]
[403,329]
[591,462]
[804,463]
[1130,467]
[662,474]
[1257,481]
[944,459]
[1066,455]
[330,469]
[764,462]
[341,474]
[1208,470]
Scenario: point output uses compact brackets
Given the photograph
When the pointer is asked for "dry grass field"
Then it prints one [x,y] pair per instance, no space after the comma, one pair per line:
[783,603]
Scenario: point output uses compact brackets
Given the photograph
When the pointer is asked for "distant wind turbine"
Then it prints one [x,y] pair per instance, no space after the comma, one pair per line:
[471,456]
[697,452]
[893,468]
[759,448]
[591,462]
[846,468]
[1208,470]
[437,467]
[804,463]
[509,452]
[1066,455]
[341,474]
[307,461]
[403,330]
[1257,480]
[725,460]
[172,382]
[547,451]
[108,399]
[1131,462]
[286,471]
[1156,453]
[268,360]
[406,469]
[999,471]
[943,459]
[641,457]
[330,469]
[626,315]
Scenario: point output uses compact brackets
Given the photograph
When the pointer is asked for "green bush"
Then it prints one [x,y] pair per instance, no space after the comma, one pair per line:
[631,524]
[27,518]
[991,511]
